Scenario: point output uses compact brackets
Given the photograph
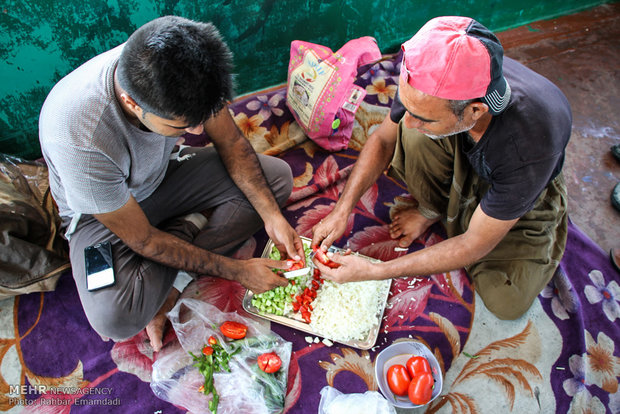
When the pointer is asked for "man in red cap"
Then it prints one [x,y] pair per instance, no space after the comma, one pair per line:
[479,140]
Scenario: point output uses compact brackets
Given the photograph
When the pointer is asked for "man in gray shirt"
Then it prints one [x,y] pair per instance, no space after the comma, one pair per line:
[109,132]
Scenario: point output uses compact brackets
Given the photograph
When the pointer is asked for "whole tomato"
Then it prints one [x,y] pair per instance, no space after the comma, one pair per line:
[233,330]
[418,365]
[421,389]
[269,362]
[398,379]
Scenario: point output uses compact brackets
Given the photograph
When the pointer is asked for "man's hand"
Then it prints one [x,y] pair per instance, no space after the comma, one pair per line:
[352,268]
[257,274]
[285,237]
[483,234]
[328,230]
[372,161]
[245,170]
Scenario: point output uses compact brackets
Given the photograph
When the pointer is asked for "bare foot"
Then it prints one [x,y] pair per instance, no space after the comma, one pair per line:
[155,328]
[408,224]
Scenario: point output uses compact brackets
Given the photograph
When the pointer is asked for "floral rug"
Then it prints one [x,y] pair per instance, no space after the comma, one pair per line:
[559,357]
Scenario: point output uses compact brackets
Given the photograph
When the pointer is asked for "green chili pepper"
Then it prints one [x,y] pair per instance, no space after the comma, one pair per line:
[274,389]
[209,364]
[273,385]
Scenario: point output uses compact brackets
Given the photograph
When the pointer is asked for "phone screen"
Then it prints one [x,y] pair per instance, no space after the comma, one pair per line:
[99,270]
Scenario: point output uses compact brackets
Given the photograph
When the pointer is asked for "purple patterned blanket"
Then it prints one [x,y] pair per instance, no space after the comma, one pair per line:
[561,356]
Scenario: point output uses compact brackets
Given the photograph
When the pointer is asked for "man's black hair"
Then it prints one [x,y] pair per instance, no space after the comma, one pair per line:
[177,68]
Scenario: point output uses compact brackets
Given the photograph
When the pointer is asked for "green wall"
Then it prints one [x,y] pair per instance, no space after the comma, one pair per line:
[43,40]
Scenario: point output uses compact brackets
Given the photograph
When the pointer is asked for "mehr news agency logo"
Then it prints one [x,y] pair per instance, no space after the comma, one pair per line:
[58,395]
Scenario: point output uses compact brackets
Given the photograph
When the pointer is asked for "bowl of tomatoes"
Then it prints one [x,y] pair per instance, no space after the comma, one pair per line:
[408,374]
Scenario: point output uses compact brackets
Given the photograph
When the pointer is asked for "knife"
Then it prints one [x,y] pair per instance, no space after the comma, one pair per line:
[296,273]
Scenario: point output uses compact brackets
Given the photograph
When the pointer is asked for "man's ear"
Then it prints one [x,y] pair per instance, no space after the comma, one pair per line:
[131,104]
[478,109]
[129,101]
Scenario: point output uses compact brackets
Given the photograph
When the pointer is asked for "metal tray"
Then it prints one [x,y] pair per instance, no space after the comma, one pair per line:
[366,343]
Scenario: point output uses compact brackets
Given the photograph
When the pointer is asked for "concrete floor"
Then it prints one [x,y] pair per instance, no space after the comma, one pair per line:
[580,53]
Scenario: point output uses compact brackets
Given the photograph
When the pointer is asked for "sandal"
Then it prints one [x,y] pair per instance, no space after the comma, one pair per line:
[615,197]
[614,256]
[615,150]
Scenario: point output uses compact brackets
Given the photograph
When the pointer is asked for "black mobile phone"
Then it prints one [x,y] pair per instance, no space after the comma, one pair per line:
[99,269]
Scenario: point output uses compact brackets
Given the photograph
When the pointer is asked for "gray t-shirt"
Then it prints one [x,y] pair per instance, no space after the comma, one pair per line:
[96,158]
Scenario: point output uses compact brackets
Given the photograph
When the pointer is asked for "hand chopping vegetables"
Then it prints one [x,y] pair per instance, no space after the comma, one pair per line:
[345,313]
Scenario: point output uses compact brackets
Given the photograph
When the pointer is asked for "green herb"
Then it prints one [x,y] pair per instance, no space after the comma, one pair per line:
[272,386]
[470,355]
[208,365]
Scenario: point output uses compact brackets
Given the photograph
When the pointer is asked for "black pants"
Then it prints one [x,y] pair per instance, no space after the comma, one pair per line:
[195,184]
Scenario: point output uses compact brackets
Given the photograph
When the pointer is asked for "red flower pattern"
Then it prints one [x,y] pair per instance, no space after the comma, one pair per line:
[408,300]
[375,242]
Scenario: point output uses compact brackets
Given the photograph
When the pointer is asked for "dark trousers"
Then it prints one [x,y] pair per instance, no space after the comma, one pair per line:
[198,183]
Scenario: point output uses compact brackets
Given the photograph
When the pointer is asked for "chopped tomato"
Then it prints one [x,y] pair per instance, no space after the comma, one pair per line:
[296,306]
[296,266]
[305,313]
[269,362]
[315,284]
[420,389]
[207,350]
[398,379]
[234,330]
[212,340]
[321,256]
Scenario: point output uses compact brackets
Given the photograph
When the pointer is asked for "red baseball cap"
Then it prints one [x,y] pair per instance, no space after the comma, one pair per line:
[457,58]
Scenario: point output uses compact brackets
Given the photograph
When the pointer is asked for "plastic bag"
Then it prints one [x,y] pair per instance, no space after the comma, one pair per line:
[370,402]
[320,90]
[246,389]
